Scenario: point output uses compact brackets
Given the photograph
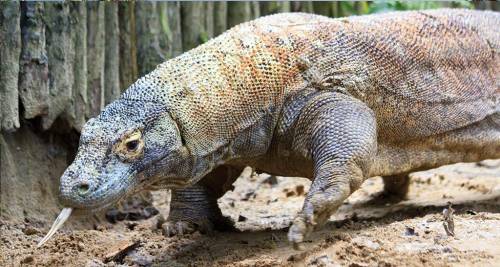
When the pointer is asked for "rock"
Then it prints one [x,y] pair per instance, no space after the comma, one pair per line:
[136,258]
[365,242]
[323,260]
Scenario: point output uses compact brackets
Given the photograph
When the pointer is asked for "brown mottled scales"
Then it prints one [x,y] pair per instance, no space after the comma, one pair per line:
[335,100]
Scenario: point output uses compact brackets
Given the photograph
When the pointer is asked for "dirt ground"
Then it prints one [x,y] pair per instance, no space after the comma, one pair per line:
[364,232]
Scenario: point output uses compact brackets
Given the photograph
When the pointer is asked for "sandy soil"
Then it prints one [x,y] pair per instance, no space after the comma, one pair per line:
[365,232]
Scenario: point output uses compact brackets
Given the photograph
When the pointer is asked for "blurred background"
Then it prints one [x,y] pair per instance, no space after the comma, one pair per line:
[61,63]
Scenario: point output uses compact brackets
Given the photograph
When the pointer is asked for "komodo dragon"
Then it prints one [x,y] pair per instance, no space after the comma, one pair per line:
[335,100]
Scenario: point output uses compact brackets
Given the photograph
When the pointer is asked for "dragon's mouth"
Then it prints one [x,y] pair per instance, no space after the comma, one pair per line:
[67,211]
[136,185]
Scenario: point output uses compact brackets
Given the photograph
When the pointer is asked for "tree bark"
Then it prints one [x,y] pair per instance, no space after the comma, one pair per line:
[336,10]
[273,7]
[170,28]
[10,49]
[33,75]
[302,6]
[238,12]
[323,8]
[193,25]
[483,5]
[149,52]
[60,52]
[174,26]
[128,52]
[209,19]
[163,30]
[255,9]
[220,17]
[95,57]
[76,112]
[361,7]
[112,53]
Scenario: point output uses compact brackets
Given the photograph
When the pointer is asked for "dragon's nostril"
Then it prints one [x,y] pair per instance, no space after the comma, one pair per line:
[82,188]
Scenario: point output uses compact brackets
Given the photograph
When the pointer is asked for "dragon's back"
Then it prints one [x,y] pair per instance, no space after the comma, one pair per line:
[422,73]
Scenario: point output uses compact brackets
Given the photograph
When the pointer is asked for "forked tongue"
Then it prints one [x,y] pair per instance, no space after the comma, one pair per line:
[63,216]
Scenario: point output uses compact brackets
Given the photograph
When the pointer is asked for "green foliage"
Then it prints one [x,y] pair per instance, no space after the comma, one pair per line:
[164,26]
[204,37]
[348,8]
[385,6]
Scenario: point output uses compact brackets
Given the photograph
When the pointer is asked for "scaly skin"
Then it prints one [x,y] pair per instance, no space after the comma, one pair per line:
[335,100]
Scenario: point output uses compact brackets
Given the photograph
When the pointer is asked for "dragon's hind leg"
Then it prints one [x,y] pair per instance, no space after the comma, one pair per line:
[472,143]
[396,188]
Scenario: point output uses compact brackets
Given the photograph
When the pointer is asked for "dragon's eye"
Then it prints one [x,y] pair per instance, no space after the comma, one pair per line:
[131,146]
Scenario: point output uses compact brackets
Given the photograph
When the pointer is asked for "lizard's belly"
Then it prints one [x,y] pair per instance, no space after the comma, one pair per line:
[286,165]
[472,143]
[475,142]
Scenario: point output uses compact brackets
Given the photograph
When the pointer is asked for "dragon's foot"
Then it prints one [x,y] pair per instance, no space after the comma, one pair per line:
[204,225]
[317,209]
[181,228]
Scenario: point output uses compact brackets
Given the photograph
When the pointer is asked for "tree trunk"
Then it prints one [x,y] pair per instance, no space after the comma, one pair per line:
[336,10]
[95,57]
[273,7]
[163,30]
[33,73]
[149,52]
[361,7]
[220,17]
[128,52]
[60,52]
[112,64]
[323,8]
[170,28]
[10,49]
[238,12]
[302,6]
[76,112]
[174,28]
[255,9]
[193,25]
[209,19]
[483,5]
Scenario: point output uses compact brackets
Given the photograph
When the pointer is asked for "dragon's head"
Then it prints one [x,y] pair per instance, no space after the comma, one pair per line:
[130,146]
[127,148]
